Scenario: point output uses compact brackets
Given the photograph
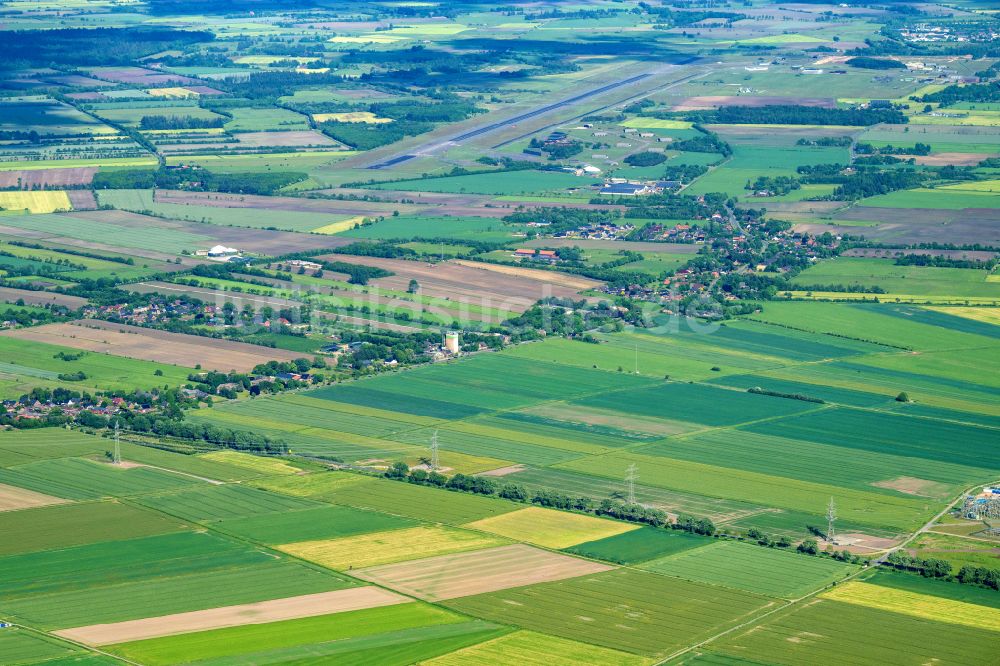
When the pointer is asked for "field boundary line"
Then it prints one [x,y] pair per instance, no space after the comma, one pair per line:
[84,646]
[872,566]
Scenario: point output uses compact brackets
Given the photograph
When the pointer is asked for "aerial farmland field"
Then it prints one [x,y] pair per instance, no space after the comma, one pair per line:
[545,333]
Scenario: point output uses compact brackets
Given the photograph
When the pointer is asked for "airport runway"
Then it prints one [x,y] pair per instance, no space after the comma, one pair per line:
[492,127]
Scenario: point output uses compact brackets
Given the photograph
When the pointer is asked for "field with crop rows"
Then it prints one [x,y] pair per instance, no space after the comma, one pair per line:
[633,611]
[747,567]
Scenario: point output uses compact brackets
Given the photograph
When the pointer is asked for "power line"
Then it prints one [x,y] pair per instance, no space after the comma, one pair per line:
[434,451]
[831,516]
[117,459]
[630,476]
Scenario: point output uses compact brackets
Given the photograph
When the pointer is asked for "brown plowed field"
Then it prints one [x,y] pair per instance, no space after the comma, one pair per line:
[479,571]
[13,498]
[290,608]
[944,159]
[82,199]
[31,178]
[152,345]
[511,288]
[11,295]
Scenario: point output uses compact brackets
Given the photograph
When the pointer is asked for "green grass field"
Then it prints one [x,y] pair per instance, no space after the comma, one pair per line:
[31,361]
[328,522]
[225,503]
[752,568]
[22,646]
[633,611]
[917,280]
[77,479]
[639,545]
[76,524]
[392,635]
[830,630]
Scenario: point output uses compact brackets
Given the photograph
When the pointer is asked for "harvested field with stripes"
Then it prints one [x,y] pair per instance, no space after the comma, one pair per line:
[472,282]
[476,572]
[262,612]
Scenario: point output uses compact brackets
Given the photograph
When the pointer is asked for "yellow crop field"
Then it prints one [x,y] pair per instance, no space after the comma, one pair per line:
[255,463]
[986,315]
[938,609]
[552,529]
[351,117]
[35,202]
[459,463]
[531,649]
[368,550]
[321,486]
[978,119]
[656,123]
[337,227]
[172,93]
[430,29]
[975,186]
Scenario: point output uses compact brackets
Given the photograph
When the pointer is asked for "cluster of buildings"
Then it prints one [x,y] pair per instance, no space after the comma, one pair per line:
[621,187]
[984,505]
[679,233]
[599,231]
[980,31]
[554,140]
[153,312]
[72,407]
[221,253]
[531,254]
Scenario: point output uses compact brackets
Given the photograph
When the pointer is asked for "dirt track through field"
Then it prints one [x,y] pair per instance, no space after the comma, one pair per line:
[152,345]
[13,498]
[290,608]
[477,572]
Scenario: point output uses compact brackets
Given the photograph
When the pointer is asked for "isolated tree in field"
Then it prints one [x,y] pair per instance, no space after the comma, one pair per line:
[809,546]
[902,397]
[398,470]
[413,288]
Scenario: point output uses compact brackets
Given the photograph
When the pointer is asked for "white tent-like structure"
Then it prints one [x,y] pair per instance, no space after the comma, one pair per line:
[222,251]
